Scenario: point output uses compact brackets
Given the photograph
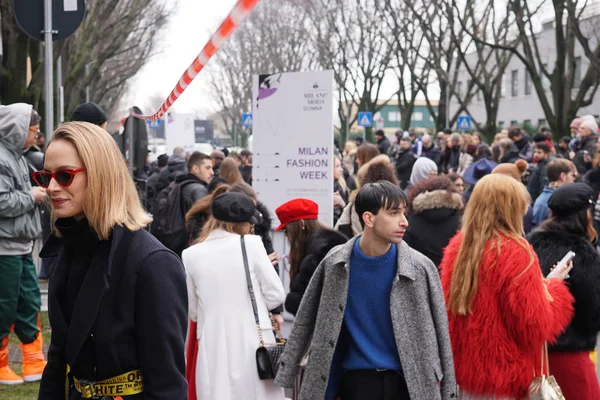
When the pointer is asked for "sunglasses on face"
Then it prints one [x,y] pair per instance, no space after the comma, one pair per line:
[63,177]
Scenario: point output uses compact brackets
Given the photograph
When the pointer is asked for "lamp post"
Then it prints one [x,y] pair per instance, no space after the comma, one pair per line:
[87,85]
[48,69]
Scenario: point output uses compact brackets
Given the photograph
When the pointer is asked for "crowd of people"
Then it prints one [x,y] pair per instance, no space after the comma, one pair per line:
[440,279]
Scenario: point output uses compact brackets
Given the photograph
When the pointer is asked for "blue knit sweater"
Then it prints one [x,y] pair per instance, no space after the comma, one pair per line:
[367,318]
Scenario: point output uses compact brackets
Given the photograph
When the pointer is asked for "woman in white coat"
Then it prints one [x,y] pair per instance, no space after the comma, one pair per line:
[220,305]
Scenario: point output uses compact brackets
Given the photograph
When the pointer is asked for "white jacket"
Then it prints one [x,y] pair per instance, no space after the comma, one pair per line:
[220,303]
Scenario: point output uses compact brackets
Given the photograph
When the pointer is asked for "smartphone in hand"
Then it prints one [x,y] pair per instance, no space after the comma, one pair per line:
[560,270]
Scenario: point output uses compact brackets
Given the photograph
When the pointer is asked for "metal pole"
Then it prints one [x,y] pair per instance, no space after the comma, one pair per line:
[60,115]
[447,107]
[48,70]
[87,86]
[1,51]
[131,146]
[347,122]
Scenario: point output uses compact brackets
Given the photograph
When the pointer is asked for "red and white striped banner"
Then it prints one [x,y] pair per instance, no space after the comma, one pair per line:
[236,16]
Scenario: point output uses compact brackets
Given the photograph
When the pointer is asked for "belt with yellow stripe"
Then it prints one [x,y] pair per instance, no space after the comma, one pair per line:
[127,384]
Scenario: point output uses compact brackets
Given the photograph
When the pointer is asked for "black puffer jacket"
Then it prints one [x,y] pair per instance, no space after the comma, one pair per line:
[584,285]
[176,166]
[434,220]
[317,247]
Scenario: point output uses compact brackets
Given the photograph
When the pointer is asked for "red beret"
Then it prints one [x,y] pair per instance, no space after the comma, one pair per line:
[295,210]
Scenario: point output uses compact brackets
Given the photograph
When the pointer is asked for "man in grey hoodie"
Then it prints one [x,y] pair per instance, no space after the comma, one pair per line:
[20,301]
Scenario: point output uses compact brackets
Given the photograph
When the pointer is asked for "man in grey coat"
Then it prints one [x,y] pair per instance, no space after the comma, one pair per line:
[373,320]
[19,225]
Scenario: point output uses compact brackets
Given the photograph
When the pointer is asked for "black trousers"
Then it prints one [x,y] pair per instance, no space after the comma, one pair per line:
[374,385]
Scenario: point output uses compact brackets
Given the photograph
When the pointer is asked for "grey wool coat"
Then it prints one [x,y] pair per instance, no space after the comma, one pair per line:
[419,320]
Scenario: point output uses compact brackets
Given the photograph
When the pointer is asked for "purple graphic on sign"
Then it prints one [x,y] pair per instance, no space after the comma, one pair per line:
[268,85]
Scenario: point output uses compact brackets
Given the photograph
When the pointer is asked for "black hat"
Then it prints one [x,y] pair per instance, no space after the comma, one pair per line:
[89,112]
[235,207]
[359,139]
[570,199]
[163,160]
[565,139]
[379,132]
[478,170]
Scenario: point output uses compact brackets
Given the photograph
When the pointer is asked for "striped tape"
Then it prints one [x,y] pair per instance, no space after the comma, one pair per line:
[235,17]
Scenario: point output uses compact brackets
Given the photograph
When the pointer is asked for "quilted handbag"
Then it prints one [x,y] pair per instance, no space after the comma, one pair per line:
[267,355]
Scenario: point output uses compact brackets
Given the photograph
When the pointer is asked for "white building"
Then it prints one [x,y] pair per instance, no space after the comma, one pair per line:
[520,103]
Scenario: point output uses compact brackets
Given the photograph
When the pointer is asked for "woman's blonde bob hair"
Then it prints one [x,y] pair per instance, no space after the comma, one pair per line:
[110,197]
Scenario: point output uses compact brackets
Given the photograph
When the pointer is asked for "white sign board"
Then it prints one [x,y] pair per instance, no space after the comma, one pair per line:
[179,132]
[293,140]
[70,5]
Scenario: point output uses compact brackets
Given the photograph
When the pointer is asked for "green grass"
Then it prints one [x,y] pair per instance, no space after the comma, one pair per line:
[26,391]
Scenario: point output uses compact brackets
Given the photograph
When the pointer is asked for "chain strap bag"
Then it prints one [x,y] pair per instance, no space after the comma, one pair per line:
[544,387]
[267,354]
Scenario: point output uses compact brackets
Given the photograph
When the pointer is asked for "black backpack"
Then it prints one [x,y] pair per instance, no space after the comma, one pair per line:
[169,222]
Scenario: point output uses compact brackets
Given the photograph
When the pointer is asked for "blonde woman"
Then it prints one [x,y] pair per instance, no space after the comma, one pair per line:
[117,299]
[501,310]
[220,304]
[341,188]
[349,156]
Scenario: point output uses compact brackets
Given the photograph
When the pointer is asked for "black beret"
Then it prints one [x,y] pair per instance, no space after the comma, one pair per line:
[89,112]
[235,207]
[571,198]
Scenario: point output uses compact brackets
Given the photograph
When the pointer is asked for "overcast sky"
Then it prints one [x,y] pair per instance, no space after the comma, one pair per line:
[189,29]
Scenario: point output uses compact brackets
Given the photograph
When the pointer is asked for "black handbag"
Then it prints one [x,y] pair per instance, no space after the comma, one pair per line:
[267,355]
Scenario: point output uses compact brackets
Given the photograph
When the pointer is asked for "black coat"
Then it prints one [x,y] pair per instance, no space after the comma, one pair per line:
[131,310]
[176,166]
[434,153]
[537,180]
[404,161]
[584,284]
[453,158]
[435,219]
[192,190]
[383,145]
[587,144]
[592,178]
[317,247]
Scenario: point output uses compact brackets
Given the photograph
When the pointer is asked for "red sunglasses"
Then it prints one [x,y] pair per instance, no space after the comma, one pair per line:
[64,177]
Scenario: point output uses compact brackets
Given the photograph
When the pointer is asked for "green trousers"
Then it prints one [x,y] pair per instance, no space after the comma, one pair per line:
[20,301]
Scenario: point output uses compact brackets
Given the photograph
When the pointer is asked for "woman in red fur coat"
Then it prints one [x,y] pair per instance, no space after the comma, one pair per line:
[501,310]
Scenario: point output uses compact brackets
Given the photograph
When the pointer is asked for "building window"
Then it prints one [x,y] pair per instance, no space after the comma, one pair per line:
[417,116]
[394,116]
[500,124]
[459,88]
[527,122]
[541,122]
[478,95]
[514,83]
[431,118]
[577,74]
[527,83]
[514,123]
